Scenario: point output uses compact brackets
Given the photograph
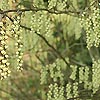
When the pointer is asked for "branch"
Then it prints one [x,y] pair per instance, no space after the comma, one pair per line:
[40,9]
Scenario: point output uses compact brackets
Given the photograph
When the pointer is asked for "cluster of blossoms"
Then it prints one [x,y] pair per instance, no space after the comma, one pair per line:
[40,23]
[49,94]
[69,90]
[16,32]
[72,90]
[56,73]
[53,71]
[55,92]
[4,4]
[84,76]
[58,4]
[96,75]
[81,74]
[38,3]
[84,73]
[75,89]
[4,64]
[91,23]
[74,71]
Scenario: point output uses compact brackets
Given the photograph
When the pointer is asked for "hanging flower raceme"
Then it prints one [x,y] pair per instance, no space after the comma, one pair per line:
[55,92]
[96,75]
[4,64]
[91,23]
[16,32]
